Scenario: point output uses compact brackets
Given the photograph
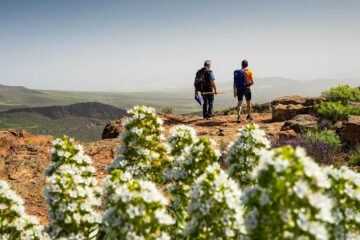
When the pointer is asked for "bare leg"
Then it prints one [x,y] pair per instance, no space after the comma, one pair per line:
[248,103]
[238,108]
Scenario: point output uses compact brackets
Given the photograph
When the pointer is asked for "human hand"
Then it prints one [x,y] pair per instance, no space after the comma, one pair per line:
[235,95]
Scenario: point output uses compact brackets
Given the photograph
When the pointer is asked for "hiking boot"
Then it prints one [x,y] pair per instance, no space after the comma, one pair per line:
[239,119]
[249,118]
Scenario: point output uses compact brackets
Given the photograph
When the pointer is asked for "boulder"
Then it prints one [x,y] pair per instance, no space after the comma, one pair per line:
[288,134]
[285,108]
[355,104]
[301,122]
[351,130]
[112,129]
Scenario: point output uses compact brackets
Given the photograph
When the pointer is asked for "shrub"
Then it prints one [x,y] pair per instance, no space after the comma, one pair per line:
[244,153]
[343,93]
[289,201]
[167,110]
[215,210]
[329,138]
[191,156]
[182,137]
[141,155]
[137,210]
[335,111]
[344,190]
[355,157]
[71,192]
[14,222]
[321,145]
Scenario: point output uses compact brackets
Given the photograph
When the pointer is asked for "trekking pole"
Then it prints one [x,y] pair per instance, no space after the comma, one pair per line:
[213,93]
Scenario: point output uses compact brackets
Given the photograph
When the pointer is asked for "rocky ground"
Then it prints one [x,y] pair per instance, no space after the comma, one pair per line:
[24,157]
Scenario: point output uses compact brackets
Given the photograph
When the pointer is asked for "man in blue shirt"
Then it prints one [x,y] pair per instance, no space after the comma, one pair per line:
[209,87]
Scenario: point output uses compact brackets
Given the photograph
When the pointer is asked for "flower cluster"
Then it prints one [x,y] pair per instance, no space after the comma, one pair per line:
[141,154]
[182,137]
[71,192]
[137,210]
[289,201]
[244,153]
[215,209]
[14,222]
[188,166]
[345,189]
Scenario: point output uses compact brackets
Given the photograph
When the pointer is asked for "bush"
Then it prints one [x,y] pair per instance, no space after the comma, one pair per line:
[215,203]
[329,138]
[355,157]
[321,145]
[244,153]
[14,222]
[71,194]
[167,110]
[137,210]
[289,201]
[343,93]
[141,154]
[336,111]
[190,158]
[344,191]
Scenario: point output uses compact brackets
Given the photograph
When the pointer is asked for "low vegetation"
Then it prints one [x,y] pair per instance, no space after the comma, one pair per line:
[336,111]
[355,157]
[175,189]
[337,107]
[323,145]
[343,93]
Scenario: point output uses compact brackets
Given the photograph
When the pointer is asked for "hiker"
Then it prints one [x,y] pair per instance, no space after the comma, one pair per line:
[205,83]
[243,79]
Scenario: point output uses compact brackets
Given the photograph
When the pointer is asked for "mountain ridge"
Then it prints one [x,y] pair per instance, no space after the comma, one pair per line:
[86,109]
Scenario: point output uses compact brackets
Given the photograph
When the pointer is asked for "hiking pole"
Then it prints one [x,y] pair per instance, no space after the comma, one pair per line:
[213,93]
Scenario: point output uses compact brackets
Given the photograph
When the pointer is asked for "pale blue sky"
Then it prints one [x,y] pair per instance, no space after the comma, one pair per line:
[117,45]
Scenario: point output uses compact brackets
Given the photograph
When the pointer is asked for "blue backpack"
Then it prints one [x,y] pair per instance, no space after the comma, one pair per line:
[240,79]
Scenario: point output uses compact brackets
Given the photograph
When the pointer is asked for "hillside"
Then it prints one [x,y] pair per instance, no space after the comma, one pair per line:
[88,110]
[84,121]
[179,98]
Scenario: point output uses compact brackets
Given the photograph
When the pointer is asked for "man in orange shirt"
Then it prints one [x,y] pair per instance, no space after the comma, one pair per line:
[243,79]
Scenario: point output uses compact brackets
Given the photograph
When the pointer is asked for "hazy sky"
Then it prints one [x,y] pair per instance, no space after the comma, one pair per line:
[128,44]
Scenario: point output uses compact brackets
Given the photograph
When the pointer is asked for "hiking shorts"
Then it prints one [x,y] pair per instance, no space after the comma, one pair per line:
[246,93]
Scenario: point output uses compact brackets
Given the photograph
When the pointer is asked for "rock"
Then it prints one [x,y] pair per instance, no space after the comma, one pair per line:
[112,129]
[301,122]
[24,157]
[21,133]
[355,104]
[351,130]
[285,108]
[289,134]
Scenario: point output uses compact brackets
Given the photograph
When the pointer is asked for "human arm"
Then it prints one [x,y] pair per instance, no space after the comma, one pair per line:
[235,90]
[251,79]
[212,82]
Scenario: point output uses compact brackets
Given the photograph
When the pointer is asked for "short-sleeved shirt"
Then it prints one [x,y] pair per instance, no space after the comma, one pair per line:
[209,76]
[249,75]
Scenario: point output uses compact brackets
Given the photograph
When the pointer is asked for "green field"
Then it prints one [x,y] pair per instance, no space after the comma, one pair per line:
[181,102]
[83,129]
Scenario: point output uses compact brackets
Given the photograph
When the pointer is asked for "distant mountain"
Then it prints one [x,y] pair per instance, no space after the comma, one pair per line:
[181,99]
[267,88]
[87,110]
[84,121]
